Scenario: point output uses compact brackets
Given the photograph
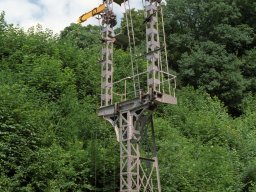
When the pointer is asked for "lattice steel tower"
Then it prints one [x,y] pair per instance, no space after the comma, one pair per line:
[130,110]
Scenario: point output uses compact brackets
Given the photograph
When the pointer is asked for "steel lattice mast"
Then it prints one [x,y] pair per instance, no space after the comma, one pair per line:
[132,117]
[108,22]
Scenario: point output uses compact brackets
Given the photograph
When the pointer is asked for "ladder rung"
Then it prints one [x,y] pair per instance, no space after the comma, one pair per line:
[147,159]
[158,49]
[146,20]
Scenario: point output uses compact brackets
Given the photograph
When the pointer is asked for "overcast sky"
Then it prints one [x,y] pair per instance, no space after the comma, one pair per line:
[52,14]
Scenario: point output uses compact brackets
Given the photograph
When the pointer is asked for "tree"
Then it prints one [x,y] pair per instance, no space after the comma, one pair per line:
[209,66]
[213,32]
[248,68]
[3,24]
[82,37]
[139,26]
[198,145]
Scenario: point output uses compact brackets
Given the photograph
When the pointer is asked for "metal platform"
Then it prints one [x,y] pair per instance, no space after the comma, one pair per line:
[143,100]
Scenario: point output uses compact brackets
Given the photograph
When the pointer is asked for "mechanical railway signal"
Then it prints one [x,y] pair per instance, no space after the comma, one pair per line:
[130,111]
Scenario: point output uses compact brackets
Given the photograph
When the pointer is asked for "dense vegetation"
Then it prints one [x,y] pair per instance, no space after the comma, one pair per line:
[52,140]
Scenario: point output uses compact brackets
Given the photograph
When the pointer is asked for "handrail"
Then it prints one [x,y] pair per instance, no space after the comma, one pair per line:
[123,94]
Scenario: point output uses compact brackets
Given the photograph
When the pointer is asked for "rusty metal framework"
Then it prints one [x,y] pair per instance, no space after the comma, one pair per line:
[131,113]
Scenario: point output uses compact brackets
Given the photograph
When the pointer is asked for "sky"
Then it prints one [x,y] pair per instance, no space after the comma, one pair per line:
[52,14]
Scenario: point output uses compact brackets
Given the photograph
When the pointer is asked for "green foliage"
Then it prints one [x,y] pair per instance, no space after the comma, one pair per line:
[48,77]
[249,69]
[138,21]
[82,37]
[210,43]
[247,10]
[209,66]
[200,146]
[249,179]
[236,39]
[3,24]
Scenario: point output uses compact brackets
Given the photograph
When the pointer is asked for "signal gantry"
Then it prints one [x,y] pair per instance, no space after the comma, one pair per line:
[128,103]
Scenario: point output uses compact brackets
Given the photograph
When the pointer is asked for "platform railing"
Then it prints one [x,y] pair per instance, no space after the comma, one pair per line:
[123,89]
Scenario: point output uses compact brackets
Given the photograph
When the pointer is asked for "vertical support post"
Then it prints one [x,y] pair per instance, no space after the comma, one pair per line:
[153,45]
[107,55]
[155,155]
[138,160]
[129,154]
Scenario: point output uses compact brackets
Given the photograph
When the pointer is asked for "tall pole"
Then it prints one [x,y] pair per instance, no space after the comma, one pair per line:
[153,44]
[138,160]
[108,22]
